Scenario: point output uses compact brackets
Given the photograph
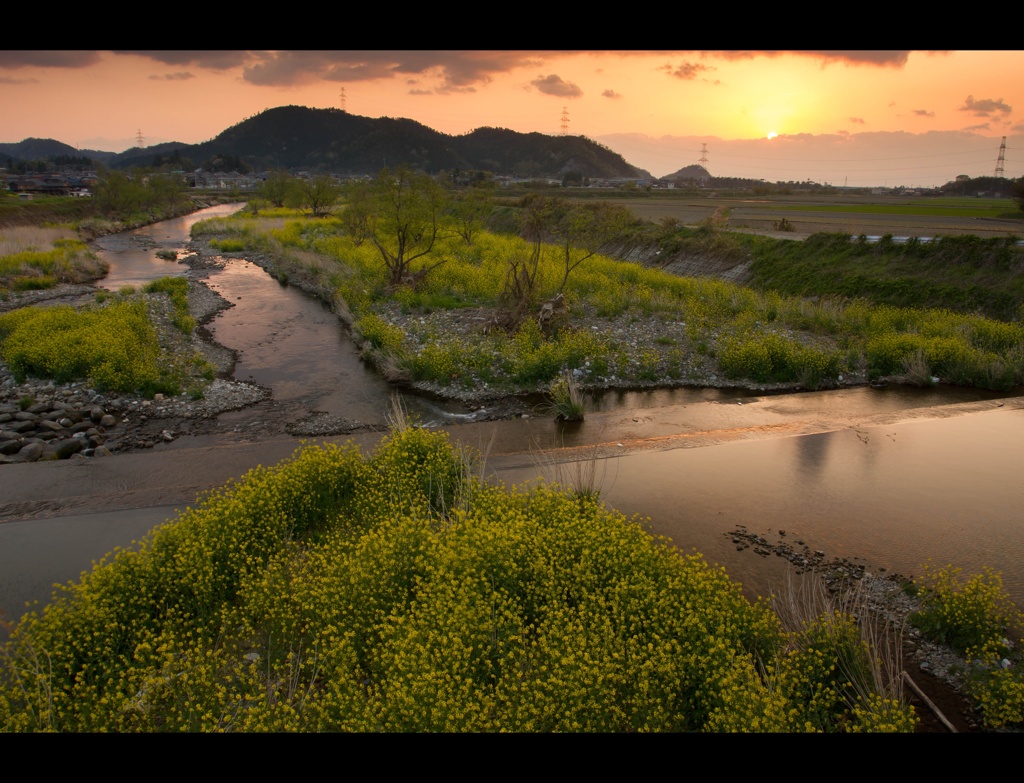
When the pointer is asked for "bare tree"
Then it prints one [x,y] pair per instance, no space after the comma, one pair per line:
[319,193]
[403,214]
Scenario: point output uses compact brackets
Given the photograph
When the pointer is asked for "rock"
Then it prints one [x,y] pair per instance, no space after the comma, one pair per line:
[31,452]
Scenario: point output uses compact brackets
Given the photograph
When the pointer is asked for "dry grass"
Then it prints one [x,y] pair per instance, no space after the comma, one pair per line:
[916,370]
[585,475]
[32,238]
[803,602]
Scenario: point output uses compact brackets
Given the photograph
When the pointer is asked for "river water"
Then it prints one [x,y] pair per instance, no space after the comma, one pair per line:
[893,477]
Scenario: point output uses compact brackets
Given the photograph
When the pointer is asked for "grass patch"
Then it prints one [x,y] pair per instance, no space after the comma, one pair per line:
[965,274]
[177,289]
[762,334]
[33,258]
[114,347]
[567,398]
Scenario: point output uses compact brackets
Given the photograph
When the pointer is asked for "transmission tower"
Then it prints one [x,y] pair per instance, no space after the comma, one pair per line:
[139,138]
[1001,159]
[703,155]
[341,99]
[565,120]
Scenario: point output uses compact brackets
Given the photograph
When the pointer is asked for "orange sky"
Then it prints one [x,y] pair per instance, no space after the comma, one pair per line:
[870,117]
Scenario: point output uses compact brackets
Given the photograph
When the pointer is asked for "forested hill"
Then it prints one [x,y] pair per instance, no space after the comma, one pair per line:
[333,140]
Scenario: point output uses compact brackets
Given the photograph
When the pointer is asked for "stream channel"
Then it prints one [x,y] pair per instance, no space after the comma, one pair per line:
[890,478]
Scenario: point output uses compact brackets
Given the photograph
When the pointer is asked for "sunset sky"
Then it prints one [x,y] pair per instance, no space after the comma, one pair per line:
[868,117]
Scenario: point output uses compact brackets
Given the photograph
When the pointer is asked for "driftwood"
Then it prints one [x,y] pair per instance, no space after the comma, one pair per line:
[931,705]
[550,310]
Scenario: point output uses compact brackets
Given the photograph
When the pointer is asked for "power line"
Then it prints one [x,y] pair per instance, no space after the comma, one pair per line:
[1002,158]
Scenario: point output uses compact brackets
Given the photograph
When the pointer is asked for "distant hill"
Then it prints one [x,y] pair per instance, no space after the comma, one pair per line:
[36,149]
[690,172]
[296,137]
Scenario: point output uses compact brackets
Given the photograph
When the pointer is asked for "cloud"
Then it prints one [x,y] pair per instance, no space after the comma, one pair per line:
[888,58]
[54,59]
[857,120]
[985,107]
[923,113]
[686,71]
[179,76]
[219,60]
[611,94]
[12,80]
[452,71]
[555,85]
[981,126]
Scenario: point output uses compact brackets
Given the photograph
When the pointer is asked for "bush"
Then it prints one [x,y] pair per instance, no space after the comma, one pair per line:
[964,613]
[397,593]
[113,346]
[997,689]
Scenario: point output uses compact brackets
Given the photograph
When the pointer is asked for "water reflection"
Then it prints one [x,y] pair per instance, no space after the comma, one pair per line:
[132,254]
[898,495]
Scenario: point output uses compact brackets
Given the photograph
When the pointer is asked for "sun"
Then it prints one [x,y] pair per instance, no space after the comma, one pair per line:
[772,134]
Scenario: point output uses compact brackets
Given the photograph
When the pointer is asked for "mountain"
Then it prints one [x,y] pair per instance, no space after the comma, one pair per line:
[296,137]
[36,149]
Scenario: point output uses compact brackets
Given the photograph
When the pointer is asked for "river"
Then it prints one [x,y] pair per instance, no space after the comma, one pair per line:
[891,477]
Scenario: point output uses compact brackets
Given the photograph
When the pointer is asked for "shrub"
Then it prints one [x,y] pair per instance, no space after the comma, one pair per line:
[963,613]
[397,593]
[997,689]
[114,346]
[567,399]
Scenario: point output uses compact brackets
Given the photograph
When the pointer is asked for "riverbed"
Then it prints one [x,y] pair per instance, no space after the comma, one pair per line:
[889,478]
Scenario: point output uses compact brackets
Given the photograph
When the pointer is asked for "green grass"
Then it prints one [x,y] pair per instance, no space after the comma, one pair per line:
[113,346]
[960,273]
[767,334]
[177,289]
[33,258]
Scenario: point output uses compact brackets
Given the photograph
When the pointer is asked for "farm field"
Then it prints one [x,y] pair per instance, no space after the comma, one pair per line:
[871,215]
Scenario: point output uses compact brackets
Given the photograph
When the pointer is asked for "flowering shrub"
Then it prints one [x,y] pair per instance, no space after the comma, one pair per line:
[998,690]
[114,346]
[963,613]
[396,593]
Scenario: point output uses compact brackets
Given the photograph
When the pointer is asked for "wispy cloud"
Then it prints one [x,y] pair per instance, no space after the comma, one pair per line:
[857,120]
[611,94]
[686,71]
[179,76]
[923,113]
